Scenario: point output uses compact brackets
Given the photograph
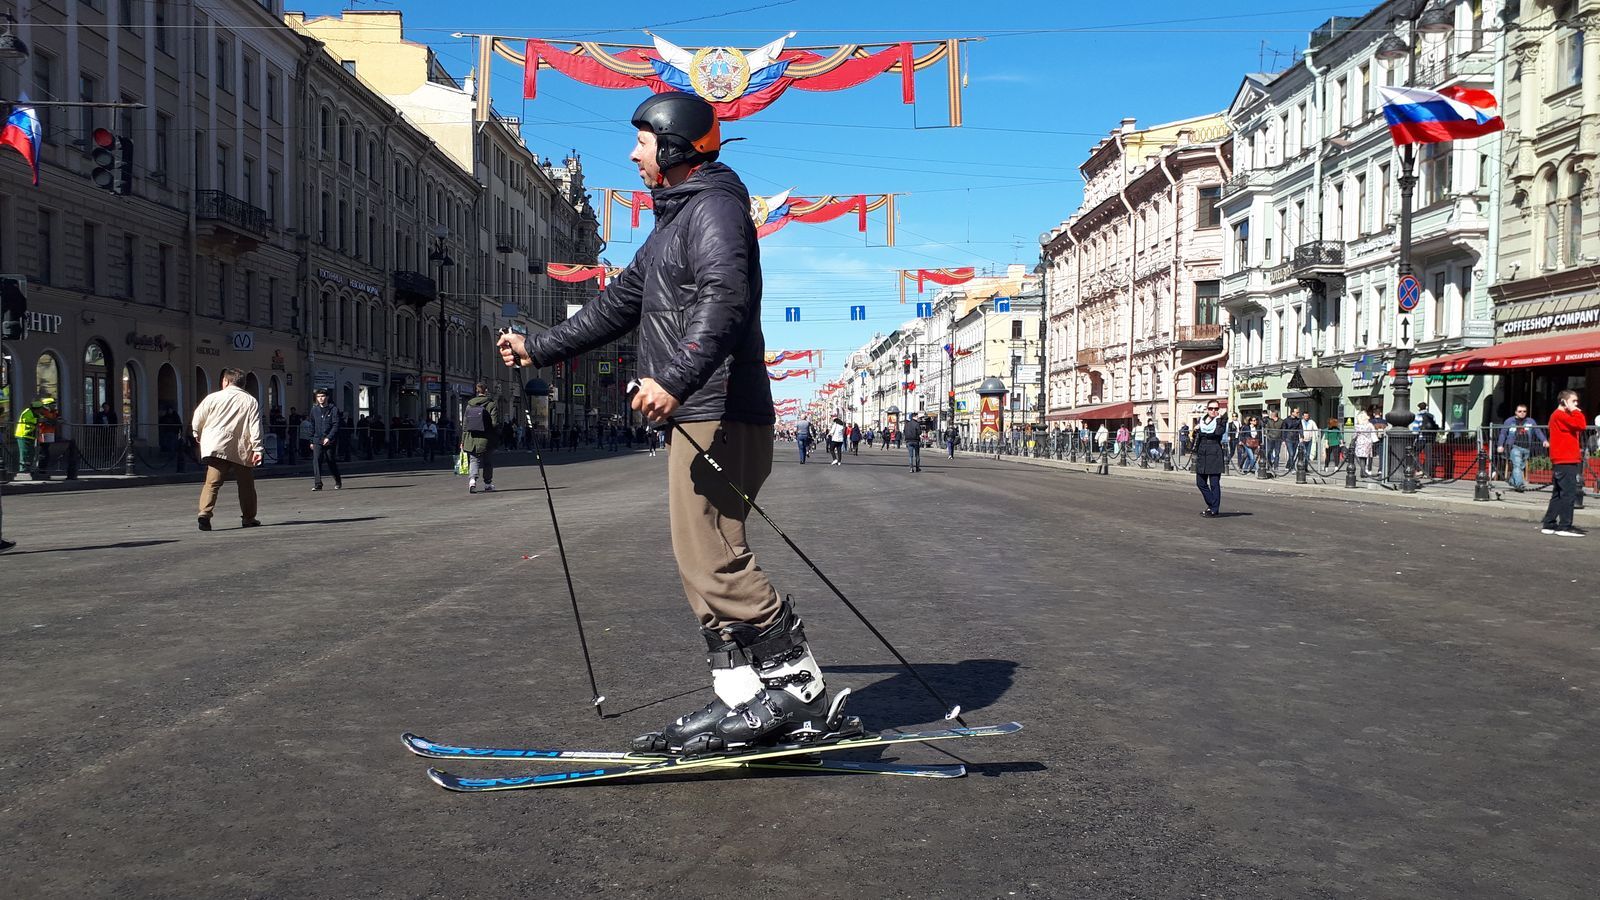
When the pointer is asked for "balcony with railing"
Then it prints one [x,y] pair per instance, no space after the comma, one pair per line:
[226,222]
[1318,260]
[1199,337]
[1244,288]
[1246,180]
[504,242]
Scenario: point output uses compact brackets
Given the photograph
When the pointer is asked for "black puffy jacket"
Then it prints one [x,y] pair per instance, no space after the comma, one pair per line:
[693,291]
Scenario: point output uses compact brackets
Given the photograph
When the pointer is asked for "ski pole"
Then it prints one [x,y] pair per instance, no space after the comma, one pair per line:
[954,711]
[561,548]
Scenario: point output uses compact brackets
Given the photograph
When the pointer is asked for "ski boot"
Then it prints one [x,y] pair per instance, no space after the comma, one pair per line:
[769,690]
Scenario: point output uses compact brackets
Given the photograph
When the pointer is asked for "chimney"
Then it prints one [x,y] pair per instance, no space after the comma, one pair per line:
[1128,123]
[1185,136]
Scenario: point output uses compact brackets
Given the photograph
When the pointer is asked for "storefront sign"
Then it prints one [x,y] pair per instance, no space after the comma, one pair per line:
[323,378]
[365,287]
[371,378]
[242,340]
[208,351]
[45,323]
[156,342]
[1448,379]
[1553,322]
[1257,385]
[278,362]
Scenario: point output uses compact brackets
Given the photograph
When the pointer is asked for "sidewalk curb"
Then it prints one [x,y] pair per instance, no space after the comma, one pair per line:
[22,486]
[1285,486]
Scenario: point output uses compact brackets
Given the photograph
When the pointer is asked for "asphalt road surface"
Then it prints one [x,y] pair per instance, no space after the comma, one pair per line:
[1305,698]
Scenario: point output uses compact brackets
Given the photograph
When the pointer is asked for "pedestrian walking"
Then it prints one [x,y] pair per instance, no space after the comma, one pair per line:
[1101,436]
[1122,439]
[802,439]
[1332,444]
[1309,433]
[479,433]
[1363,444]
[430,440]
[855,439]
[1567,425]
[1291,437]
[1271,439]
[693,290]
[951,438]
[227,427]
[836,441]
[323,422]
[1518,437]
[1249,445]
[913,429]
[1210,459]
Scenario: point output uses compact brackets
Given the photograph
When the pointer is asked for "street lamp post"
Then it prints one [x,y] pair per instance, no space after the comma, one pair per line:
[1424,19]
[440,257]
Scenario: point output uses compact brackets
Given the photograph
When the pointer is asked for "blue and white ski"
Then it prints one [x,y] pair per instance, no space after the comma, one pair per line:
[623,769]
[423,747]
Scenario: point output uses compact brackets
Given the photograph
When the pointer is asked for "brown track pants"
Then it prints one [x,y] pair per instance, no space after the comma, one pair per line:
[719,571]
[217,470]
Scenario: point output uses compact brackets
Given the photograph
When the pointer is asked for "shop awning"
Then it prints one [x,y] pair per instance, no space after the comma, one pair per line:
[1123,410]
[1557,350]
[1311,378]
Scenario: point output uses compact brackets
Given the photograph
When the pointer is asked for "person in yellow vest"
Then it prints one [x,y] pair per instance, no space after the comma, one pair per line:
[35,433]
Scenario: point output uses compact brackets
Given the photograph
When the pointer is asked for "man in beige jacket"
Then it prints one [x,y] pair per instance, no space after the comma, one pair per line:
[227,426]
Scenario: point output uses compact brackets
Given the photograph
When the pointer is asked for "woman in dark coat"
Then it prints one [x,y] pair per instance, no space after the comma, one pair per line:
[1209,457]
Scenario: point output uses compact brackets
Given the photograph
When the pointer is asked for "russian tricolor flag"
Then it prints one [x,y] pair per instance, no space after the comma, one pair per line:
[1417,116]
[23,131]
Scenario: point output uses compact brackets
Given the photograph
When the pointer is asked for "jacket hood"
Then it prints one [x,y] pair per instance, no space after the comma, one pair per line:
[713,176]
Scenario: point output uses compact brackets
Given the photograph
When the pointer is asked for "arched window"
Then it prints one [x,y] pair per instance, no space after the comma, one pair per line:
[47,378]
[1552,222]
[130,394]
[361,324]
[344,139]
[325,314]
[374,162]
[361,144]
[380,339]
[1575,217]
[346,318]
[327,132]
[96,378]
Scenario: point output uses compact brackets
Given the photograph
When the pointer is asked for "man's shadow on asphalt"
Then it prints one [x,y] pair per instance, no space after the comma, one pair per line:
[122,545]
[322,521]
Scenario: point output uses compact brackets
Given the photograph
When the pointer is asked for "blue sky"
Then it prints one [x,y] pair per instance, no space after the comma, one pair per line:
[1048,81]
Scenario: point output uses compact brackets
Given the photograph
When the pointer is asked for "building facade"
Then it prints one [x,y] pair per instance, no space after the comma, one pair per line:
[139,300]
[1311,222]
[1135,332]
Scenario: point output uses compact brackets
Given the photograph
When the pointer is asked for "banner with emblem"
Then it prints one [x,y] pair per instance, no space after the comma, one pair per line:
[570,272]
[737,82]
[770,213]
[786,374]
[945,277]
[779,357]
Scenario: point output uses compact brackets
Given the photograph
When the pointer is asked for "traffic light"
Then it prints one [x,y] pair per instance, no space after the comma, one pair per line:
[13,308]
[906,363]
[113,162]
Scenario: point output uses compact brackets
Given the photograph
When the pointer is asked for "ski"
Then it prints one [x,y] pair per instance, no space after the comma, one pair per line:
[708,761]
[423,747]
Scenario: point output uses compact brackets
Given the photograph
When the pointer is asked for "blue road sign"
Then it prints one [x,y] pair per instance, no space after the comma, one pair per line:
[858,313]
[925,310]
[1002,304]
[791,313]
[1410,293]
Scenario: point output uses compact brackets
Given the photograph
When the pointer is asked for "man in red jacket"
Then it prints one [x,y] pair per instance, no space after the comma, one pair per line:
[1566,460]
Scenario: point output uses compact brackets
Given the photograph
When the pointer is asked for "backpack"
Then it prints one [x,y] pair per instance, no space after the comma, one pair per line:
[476,418]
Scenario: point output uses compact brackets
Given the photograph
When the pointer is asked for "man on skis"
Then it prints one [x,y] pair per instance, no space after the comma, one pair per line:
[693,291]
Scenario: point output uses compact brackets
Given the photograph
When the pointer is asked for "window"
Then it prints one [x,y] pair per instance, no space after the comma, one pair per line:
[1282,239]
[160,9]
[223,184]
[1357,337]
[129,266]
[1206,302]
[1336,104]
[272,95]
[199,29]
[272,195]
[1209,215]
[91,257]
[349,65]
[344,140]
[1016,329]
[1383,198]
[1552,223]
[1575,220]
[326,142]
[325,313]
[1241,244]
[224,63]
[1365,97]
[249,295]
[1477,24]
[249,175]
[343,243]
[247,81]
[1436,168]
[1437,285]
[224,279]
[1337,228]
[1569,57]
[88,87]
[1363,218]
[325,220]
[163,147]
[163,273]
[125,14]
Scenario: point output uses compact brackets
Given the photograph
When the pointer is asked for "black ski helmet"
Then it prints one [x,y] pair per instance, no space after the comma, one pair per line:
[685,126]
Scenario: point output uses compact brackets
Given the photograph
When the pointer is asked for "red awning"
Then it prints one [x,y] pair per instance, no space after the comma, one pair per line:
[1123,410]
[1557,350]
